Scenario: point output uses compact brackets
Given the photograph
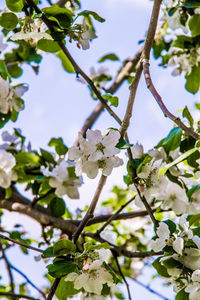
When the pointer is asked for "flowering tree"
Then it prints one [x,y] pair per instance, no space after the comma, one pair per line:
[89,253]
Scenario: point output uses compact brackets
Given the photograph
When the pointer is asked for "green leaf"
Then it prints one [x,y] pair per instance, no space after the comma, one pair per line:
[122,144]
[112,99]
[15,5]
[194,24]
[60,147]
[67,66]
[65,289]
[110,56]
[48,252]
[48,46]
[171,225]
[47,156]
[64,246]
[191,3]
[193,80]
[171,263]
[62,15]
[197,106]
[192,190]
[186,114]
[161,270]
[14,70]
[8,21]
[173,140]
[45,187]
[57,207]
[3,70]
[8,193]
[27,158]
[87,13]
[176,161]
[194,220]
[61,268]
[182,295]
[91,247]
[4,118]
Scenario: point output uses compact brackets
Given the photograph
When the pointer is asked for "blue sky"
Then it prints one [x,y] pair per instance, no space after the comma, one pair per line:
[57,105]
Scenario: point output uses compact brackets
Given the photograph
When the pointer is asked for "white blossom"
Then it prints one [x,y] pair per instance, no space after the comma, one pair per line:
[163,234]
[137,150]
[173,196]
[32,33]
[94,275]
[61,180]
[86,35]
[178,245]
[96,152]
[7,163]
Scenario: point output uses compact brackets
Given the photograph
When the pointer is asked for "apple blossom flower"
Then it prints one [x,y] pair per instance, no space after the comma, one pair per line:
[96,152]
[9,96]
[93,274]
[137,150]
[86,35]
[163,234]
[32,33]
[7,163]
[61,180]
[173,196]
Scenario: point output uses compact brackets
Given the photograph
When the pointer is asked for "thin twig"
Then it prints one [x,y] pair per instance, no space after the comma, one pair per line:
[53,288]
[4,256]
[7,294]
[122,275]
[91,209]
[27,279]
[19,243]
[114,216]
[147,206]
[148,288]
[164,109]
[121,250]
[77,69]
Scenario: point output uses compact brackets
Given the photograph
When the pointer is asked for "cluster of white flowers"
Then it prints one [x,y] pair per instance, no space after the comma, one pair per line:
[7,174]
[96,152]
[62,178]
[94,274]
[185,60]
[169,195]
[9,96]
[32,32]
[186,247]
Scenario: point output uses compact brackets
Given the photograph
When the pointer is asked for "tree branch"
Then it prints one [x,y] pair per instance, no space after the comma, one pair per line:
[158,99]
[27,279]
[120,250]
[19,243]
[114,216]
[53,288]
[122,275]
[7,294]
[91,209]
[8,269]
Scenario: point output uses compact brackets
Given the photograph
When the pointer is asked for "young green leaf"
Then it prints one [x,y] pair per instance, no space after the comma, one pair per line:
[110,56]
[63,246]
[60,147]
[8,21]
[16,5]
[193,80]
[87,13]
